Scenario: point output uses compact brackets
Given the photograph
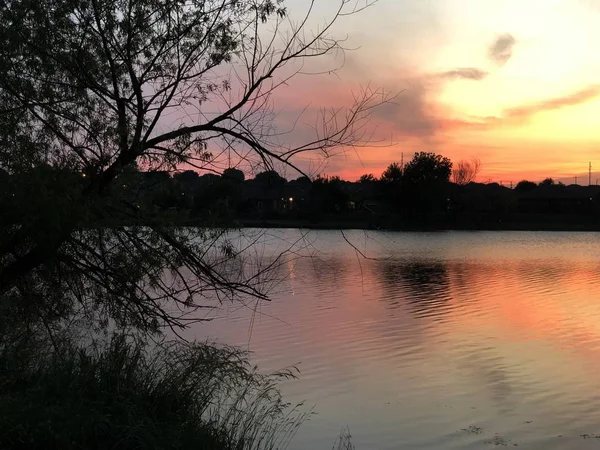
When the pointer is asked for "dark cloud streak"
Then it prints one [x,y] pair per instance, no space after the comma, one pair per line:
[502,49]
[466,73]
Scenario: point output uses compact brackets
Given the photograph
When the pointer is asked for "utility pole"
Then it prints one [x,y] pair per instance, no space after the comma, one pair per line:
[575,180]
[590,175]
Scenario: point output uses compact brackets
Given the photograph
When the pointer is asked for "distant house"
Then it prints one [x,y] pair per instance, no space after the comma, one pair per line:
[365,197]
[259,198]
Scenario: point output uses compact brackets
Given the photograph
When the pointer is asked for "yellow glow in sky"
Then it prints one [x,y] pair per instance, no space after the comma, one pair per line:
[531,109]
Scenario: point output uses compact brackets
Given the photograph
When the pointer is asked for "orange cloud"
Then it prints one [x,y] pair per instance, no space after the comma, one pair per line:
[576,98]
[520,114]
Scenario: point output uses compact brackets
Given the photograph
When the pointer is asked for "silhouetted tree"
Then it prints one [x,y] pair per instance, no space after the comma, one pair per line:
[234,174]
[327,194]
[425,184]
[466,172]
[186,177]
[367,178]
[270,179]
[232,186]
[392,174]
[215,197]
[303,180]
[525,186]
[427,168]
[547,182]
[185,183]
[391,185]
[86,86]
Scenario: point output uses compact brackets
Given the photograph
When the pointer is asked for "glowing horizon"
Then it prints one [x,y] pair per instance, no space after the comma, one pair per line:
[512,83]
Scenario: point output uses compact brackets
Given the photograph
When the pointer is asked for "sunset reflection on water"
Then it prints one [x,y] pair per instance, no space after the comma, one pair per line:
[432,334]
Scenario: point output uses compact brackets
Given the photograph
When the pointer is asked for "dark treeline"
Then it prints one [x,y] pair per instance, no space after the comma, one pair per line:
[429,192]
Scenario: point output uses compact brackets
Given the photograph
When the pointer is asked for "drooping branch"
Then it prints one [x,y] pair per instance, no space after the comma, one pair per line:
[98,87]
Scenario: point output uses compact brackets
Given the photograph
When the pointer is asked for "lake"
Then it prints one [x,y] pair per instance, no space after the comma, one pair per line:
[445,340]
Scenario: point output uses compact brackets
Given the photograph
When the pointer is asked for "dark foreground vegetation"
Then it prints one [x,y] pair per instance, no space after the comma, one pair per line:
[126,395]
[100,100]
[97,278]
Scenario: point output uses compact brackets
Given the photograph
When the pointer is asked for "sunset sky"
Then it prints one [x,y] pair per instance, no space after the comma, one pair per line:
[515,83]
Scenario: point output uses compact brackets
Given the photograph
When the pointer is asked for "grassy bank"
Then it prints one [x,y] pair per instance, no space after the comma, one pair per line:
[132,396]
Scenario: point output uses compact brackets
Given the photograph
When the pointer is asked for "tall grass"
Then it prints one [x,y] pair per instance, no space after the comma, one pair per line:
[344,441]
[128,395]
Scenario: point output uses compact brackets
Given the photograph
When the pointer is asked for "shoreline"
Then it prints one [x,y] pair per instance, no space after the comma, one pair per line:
[530,225]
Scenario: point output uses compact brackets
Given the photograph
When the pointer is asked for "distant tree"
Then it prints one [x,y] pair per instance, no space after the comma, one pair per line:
[270,179]
[300,189]
[547,182]
[524,186]
[393,174]
[427,168]
[163,191]
[187,176]
[425,184]
[466,172]
[231,187]
[234,175]
[391,181]
[208,195]
[303,180]
[183,188]
[327,194]
[367,178]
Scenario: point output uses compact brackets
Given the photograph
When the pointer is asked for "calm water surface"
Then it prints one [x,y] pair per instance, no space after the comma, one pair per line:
[452,340]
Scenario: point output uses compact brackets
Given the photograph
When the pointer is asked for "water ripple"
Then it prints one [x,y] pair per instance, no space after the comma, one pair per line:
[438,334]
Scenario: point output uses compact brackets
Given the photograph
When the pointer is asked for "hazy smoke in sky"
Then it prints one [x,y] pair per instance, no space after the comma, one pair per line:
[502,49]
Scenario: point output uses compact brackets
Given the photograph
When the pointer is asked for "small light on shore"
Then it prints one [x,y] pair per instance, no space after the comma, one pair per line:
[291,199]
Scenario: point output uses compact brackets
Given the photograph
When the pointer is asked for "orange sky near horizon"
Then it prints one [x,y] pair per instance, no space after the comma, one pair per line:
[514,83]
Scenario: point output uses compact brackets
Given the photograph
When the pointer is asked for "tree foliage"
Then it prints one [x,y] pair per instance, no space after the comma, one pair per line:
[270,179]
[367,178]
[97,88]
[525,186]
[234,175]
[428,168]
[392,174]
[328,194]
